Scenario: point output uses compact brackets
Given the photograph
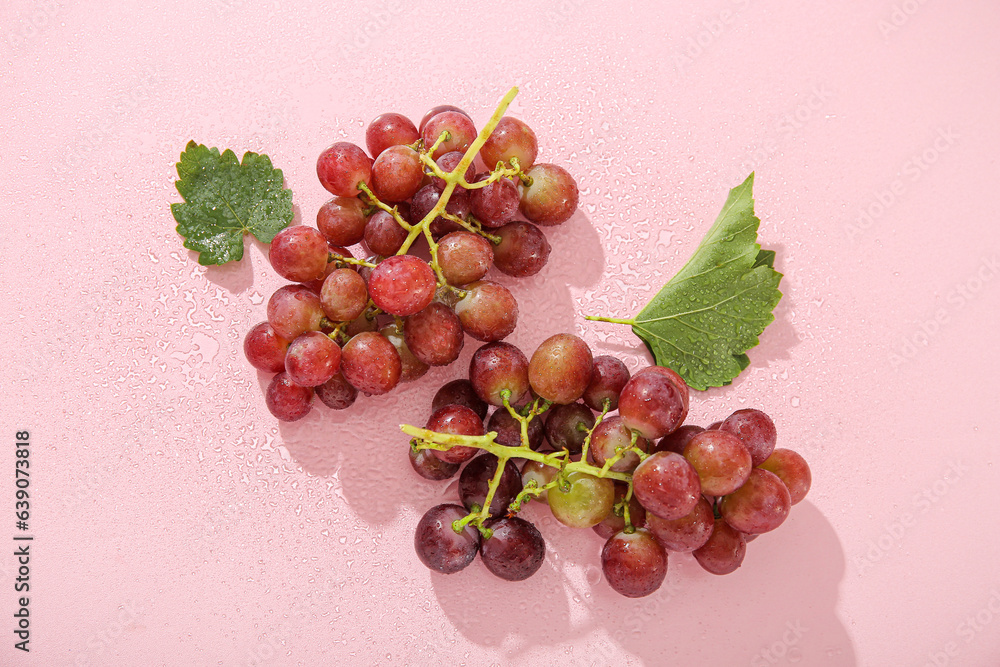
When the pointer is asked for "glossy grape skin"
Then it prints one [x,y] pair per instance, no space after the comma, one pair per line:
[498,366]
[792,470]
[635,564]
[411,368]
[342,220]
[759,506]
[460,392]
[434,335]
[714,426]
[456,420]
[458,125]
[337,393]
[448,163]
[678,439]
[402,285]
[508,430]
[610,435]
[511,138]
[687,533]
[430,467]
[299,253]
[366,322]
[344,295]
[427,198]
[441,108]
[515,550]
[464,257]
[286,400]
[292,310]
[495,204]
[666,485]
[341,167]
[609,377]
[724,551]
[561,368]
[317,285]
[566,426]
[523,249]
[474,484]
[652,403]
[721,461]
[588,501]
[389,129]
[264,349]
[488,311]
[370,363]
[437,544]
[397,174]
[541,474]
[756,430]
[312,359]
[383,235]
[552,197]
[613,523]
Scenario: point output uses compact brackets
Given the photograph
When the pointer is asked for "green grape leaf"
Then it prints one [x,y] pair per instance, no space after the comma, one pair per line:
[702,322]
[225,199]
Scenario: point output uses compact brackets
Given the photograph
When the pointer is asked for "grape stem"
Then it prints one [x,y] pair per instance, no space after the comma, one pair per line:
[613,320]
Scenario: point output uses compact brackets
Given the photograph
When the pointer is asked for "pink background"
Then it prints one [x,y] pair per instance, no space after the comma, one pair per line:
[177,523]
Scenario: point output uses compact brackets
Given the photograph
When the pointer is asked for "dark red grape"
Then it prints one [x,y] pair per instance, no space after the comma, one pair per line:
[498,366]
[293,310]
[721,461]
[791,469]
[299,253]
[344,295]
[427,198]
[448,162]
[756,430]
[760,505]
[566,426]
[613,523]
[724,551]
[610,436]
[437,544]
[474,484]
[411,368]
[515,550]
[508,430]
[337,393]
[634,564]
[458,125]
[460,392]
[464,257]
[431,467]
[456,420]
[342,220]
[383,235]
[561,367]
[343,166]
[523,249]
[370,363]
[434,335]
[397,174]
[678,439]
[390,129]
[552,196]
[286,400]
[687,533]
[440,109]
[264,349]
[488,311]
[652,403]
[666,485]
[312,359]
[402,285]
[495,204]
[511,138]
[609,377]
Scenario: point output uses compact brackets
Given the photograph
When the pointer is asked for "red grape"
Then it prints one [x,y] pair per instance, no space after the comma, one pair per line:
[434,335]
[464,257]
[523,249]
[515,550]
[437,544]
[634,564]
[342,167]
[312,359]
[293,310]
[456,420]
[666,485]
[687,533]
[370,363]
[286,400]
[760,505]
[724,551]
[299,253]
[389,129]
[561,367]
[552,196]
[721,461]
[344,295]
[791,469]
[756,430]
[397,174]
[342,220]
[264,349]
[402,285]
[511,138]
[488,311]
[496,367]
[458,125]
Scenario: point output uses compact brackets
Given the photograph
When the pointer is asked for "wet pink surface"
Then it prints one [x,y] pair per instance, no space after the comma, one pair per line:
[177,523]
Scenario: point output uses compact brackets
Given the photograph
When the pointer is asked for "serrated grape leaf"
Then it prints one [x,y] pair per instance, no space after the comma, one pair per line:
[225,199]
[708,315]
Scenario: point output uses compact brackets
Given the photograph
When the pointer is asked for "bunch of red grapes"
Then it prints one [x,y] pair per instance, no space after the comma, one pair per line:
[466,201]
[622,463]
